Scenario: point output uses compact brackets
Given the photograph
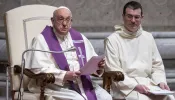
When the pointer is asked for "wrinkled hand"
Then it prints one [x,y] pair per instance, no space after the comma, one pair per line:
[71,75]
[142,89]
[101,66]
[164,86]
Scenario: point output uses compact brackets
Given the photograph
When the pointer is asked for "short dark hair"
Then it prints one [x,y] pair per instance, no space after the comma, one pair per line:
[133,5]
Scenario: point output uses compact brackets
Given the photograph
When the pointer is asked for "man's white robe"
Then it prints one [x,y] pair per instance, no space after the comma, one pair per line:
[136,55]
[44,62]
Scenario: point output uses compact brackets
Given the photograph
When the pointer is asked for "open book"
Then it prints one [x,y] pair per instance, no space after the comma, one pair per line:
[91,66]
[158,91]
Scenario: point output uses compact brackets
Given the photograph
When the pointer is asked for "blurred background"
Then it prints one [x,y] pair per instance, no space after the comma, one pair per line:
[100,16]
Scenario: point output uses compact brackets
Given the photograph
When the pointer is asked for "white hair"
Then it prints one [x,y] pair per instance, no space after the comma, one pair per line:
[62,7]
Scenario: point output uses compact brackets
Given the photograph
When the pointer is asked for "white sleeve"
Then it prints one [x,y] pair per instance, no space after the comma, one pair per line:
[42,62]
[113,64]
[157,66]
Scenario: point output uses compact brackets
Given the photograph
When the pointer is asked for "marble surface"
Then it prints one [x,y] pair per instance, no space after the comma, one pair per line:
[102,15]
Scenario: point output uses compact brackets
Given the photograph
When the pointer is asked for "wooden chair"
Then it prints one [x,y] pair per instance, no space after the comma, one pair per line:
[110,76]
[22,24]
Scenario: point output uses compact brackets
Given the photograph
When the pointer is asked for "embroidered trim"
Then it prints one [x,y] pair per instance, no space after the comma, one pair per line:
[81,56]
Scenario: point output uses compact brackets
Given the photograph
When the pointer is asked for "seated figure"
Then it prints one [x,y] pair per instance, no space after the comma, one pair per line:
[133,51]
[69,83]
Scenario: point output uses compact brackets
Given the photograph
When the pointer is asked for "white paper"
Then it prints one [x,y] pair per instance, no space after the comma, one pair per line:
[158,91]
[162,92]
[91,66]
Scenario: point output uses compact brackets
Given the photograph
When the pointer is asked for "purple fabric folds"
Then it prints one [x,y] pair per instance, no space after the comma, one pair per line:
[61,61]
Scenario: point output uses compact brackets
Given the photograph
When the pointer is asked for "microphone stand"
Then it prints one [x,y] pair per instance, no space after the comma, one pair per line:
[21,89]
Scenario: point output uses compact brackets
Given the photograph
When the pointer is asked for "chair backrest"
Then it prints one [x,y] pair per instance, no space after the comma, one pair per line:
[22,24]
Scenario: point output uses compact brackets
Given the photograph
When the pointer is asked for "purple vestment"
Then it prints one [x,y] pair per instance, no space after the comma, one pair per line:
[61,61]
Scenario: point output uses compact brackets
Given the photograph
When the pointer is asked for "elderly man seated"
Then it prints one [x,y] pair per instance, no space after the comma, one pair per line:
[69,83]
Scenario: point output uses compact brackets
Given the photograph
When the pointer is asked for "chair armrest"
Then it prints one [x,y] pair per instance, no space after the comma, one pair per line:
[44,78]
[110,76]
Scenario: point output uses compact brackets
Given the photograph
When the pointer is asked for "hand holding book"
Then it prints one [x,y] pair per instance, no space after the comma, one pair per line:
[158,91]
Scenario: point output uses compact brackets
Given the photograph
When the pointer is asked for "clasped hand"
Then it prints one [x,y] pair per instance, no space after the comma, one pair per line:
[142,89]
[145,90]
[101,66]
[164,86]
[71,75]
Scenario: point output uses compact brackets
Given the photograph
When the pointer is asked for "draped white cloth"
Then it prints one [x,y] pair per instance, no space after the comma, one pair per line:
[44,62]
[136,55]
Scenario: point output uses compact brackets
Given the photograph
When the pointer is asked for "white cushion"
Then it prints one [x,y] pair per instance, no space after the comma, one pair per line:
[22,24]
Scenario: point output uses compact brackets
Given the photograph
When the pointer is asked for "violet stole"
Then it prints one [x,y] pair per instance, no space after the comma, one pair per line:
[61,61]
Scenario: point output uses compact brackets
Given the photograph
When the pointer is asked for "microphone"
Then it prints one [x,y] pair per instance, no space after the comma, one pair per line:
[21,90]
[67,50]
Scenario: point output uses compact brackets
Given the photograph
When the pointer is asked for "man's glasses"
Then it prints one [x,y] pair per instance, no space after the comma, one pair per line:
[60,20]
